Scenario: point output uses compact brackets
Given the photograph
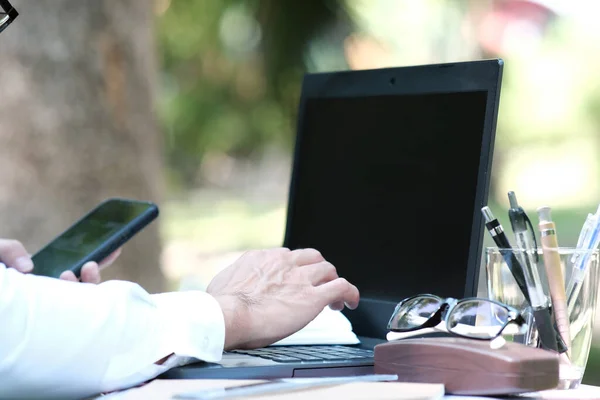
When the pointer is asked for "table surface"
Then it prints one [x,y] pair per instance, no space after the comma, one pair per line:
[164,389]
[584,392]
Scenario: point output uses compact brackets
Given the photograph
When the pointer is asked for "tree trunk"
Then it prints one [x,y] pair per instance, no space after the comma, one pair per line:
[77,122]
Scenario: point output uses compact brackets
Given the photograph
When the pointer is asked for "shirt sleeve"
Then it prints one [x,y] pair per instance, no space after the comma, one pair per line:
[71,340]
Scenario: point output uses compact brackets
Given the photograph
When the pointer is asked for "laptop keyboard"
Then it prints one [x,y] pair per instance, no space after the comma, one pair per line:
[308,353]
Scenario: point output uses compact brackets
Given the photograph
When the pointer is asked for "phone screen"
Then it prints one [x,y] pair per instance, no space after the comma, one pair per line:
[95,231]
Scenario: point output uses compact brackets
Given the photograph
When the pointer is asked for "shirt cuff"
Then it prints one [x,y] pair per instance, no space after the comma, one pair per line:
[193,325]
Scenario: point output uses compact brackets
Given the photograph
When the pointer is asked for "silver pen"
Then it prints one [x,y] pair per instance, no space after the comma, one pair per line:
[279,385]
[528,256]
[527,251]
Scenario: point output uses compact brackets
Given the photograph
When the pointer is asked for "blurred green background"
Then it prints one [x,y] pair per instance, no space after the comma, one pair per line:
[231,75]
[228,79]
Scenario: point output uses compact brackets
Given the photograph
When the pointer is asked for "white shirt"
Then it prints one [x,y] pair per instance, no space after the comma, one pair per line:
[71,340]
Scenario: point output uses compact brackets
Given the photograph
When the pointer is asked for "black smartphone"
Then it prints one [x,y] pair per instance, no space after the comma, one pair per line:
[94,237]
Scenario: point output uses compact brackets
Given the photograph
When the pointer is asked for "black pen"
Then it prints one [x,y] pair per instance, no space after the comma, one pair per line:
[499,237]
[525,237]
[543,319]
[527,251]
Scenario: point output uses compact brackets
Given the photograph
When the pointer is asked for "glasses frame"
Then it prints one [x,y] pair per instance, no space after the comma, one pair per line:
[7,14]
[445,310]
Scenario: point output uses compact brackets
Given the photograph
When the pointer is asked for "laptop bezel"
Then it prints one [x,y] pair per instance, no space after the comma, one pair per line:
[483,75]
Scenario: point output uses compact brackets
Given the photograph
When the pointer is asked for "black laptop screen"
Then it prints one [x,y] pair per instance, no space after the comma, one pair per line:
[385,188]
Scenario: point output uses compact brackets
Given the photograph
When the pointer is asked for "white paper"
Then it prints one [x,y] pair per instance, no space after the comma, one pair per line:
[329,327]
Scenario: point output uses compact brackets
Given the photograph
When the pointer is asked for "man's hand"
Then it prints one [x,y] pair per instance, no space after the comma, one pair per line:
[90,272]
[14,255]
[267,295]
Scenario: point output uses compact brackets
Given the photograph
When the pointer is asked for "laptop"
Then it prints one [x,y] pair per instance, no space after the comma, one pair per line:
[391,169]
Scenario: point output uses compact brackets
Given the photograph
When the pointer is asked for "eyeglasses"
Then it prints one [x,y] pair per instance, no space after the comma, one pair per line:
[7,14]
[473,318]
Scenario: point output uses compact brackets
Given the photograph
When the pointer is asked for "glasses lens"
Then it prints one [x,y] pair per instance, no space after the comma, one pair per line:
[414,313]
[478,319]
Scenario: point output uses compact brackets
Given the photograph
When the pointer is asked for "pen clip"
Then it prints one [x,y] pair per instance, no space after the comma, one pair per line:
[535,246]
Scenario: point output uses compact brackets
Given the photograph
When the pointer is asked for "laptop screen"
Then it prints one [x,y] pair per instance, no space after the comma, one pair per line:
[385,187]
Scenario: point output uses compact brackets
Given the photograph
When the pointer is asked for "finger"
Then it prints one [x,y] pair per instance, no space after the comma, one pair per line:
[306,256]
[14,255]
[110,259]
[338,306]
[320,273]
[90,273]
[337,291]
[69,276]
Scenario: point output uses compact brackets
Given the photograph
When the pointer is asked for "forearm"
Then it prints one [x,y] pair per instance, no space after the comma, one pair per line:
[76,339]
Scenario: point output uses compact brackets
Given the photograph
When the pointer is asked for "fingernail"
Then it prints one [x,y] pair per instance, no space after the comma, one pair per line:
[24,264]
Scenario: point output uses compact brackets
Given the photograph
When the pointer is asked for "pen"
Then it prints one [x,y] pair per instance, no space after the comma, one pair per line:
[527,254]
[588,225]
[556,280]
[528,257]
[499,237]
[279,385]
[589,239]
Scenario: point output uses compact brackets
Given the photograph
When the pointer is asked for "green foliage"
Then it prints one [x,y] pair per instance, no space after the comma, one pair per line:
[231,76]
[214,96]
[288,29]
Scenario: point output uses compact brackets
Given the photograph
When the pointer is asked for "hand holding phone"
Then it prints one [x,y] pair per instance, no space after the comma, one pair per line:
[94,237]
[90,271]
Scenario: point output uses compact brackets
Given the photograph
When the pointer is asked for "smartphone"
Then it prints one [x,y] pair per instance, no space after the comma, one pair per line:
[94,237]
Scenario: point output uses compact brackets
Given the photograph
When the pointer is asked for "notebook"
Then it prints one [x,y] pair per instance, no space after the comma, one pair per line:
[166,389]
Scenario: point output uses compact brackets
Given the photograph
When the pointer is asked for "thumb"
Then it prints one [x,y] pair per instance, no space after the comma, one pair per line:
[14,255]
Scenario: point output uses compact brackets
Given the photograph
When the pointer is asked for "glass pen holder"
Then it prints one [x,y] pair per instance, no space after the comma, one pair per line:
[502,287]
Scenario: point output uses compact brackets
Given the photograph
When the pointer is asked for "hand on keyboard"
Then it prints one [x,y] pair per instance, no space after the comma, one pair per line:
[270,294]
